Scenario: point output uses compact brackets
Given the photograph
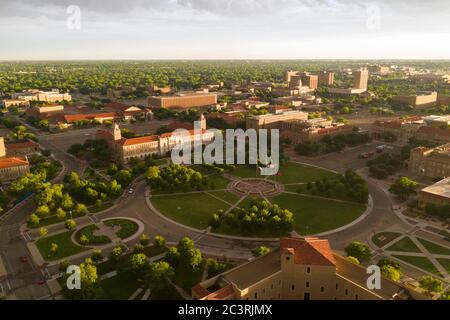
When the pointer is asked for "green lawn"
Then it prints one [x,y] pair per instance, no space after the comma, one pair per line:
[118,287]
[313,215]
[293,172]
[127,227]
[405,245]
[420,262]
[445,263]
[65,246]
[88,231]
[226,196]
[194,210]
[433,247]
[219,181]
[104,206]
[389,236]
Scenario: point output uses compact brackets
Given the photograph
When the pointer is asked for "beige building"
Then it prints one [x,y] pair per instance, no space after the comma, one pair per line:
[438,194]
[21,148]
[360,79]
[300,269]
[430,162]
[7,103]
[183,101]
[326,78]
[423,100]
[45,96]
[13,168]
[273,120]
[140,147]
[379,69]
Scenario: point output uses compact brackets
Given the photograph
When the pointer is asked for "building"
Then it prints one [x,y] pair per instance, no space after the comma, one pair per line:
[346,91]
[360,79]
[422,100]
[141,147]
[13,168]
[430,162]
[300,269]
[183,101]
[312,129]
[437,121]
[119,92]
[326,78]
[379,69]
[309,80]
[7,103]
[429,78]
[44,96]
[161,90]
[21,148]
[128,112]
[438,194]
[273,120]
[41,112]
[288,74]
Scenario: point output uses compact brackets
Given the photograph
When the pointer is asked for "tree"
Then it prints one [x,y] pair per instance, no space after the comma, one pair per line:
[116,253]
[173,256]
[53,248]
[431,284]
[84,240]
[138,263]
[43,232]
[159,242]
[260,251]
[358,250]
[159,274]
[215,267]
[60,214]
[391,273]
[189,256]
[138,248]
[144,239]
[353,259]
[80,209]
[123,177]
[42,211]
[403,187]
[34,220]
[70,224]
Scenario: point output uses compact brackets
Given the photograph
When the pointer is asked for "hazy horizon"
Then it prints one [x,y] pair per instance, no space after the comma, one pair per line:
[51,30]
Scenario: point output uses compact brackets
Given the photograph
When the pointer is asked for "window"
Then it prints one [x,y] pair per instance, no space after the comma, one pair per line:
[293,287]
[322,289]
[256,295]
[306,296]
[271,286]
[288,258]
[307,284]
[308,270]
[356,297]
[336,286]
[346,291]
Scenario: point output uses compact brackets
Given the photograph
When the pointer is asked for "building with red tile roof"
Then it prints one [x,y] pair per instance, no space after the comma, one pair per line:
[21,148]
[13,168]
[299,269]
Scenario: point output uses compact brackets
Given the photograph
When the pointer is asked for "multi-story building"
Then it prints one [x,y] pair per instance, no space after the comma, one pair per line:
[20,148]
[422,100]
[300,269]
[312,129]
[44,111]
[378,69]
[438,194]
[45,96]
[7,103]
[309,80]
[430,162]
[140,147]
[273,120]
[13,168]
[183,101]
[326,78]
[360,79]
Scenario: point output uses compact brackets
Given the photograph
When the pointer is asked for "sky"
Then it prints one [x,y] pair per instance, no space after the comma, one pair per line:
[224,29]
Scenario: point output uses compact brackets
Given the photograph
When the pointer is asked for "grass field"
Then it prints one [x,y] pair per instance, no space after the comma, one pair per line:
[313,215]
[88,231]
[127,227]
[219,181]
[118,287]
[433,247]
[194,210]
[65,246]
[445,263]
[404,245]
[226,196]
[389,236]
[420,262]
[294,172]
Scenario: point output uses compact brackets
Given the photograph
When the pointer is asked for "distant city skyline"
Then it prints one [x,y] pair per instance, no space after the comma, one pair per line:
[226,29]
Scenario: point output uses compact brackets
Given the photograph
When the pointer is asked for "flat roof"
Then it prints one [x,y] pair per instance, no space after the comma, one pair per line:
[440,188]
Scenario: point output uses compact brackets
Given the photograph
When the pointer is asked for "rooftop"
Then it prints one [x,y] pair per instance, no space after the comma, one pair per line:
[12,162]
[440,188]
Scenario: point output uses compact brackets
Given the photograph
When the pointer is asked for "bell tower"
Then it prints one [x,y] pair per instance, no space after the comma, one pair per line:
[116,132]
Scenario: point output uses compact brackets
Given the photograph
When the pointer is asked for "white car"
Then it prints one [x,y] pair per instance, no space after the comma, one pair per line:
[130,191]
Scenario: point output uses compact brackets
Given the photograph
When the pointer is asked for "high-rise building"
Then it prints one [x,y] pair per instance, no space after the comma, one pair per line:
[360,79]
[326,78]
[309,80]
